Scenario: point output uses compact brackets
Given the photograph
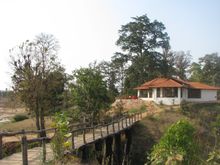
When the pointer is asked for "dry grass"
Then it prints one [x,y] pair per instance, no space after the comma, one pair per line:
[28,124]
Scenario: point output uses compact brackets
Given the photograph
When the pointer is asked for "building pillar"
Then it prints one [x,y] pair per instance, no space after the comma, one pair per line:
[138,93]
[179,95]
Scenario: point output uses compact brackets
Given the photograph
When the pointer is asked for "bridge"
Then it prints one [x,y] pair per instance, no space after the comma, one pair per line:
[81,138]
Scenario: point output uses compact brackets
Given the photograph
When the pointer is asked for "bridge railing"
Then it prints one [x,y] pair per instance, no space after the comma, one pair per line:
[98,131]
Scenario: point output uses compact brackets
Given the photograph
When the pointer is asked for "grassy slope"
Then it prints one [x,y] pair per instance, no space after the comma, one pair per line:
[148,131]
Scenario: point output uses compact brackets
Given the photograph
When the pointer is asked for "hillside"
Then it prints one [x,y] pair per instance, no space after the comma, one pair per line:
[148,132]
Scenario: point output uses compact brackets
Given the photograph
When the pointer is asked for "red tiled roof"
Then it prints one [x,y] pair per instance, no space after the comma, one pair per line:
[198,85]
[173,82]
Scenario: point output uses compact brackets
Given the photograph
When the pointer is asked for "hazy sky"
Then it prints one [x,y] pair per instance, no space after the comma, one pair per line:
[88,29]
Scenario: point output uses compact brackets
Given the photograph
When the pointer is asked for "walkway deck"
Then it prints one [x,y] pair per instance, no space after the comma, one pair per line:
[89,136]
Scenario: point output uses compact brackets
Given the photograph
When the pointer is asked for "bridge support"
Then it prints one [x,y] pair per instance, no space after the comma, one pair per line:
[127,147]
[118,149]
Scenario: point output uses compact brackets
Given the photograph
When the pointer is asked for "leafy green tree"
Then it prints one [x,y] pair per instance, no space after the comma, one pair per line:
[210,65]
[90,92]
[167,63]
[196,72]
[177,146]
[109,74]
[35,75]
[140,41]
[142,35]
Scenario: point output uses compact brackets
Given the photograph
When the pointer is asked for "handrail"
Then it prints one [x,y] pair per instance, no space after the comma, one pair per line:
[116,125]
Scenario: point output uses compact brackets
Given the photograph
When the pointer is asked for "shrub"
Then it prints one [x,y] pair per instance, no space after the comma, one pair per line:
[177,146]
[143,108]
[17,118]
[60,143]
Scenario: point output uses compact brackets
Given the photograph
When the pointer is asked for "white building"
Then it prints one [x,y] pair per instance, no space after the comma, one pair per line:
[171,91]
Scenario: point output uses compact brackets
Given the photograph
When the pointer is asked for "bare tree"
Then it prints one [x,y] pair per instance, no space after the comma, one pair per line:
[182,62]
[34,63]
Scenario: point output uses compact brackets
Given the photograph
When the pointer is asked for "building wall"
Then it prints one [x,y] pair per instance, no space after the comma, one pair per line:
[206,95]
[163,100]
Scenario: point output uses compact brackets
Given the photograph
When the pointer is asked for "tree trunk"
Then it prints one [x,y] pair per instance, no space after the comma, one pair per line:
[42,122]
[36,110]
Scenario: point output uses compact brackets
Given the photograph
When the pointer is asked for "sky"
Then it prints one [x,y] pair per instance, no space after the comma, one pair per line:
[88,29]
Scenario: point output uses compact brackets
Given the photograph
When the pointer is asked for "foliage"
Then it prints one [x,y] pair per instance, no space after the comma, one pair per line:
[140,41]
[38,77]
[182,62]
[210,65]
[59,142]
[109,73]
[196,72]
[20,117]
[89,92]
[207,70]
[177,145]
[214,155]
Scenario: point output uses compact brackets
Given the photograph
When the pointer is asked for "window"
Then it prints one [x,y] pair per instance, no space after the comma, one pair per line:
[194,93]
[150,93]
[170,92]
[146,93]
[158,92]
[143,93]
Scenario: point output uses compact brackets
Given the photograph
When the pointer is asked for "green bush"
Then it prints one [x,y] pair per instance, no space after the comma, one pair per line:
[177,146]
[17,118]
[60,143]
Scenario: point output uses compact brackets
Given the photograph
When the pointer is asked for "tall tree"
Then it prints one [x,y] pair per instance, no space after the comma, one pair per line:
[182,62]
[34,64]
[142,35]
[210,64]
[109,74]
[90,92]
[195,72]
[167,63]
[140,41]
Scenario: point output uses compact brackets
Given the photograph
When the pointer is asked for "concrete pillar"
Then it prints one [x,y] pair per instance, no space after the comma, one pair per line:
[138,93]
[179,95]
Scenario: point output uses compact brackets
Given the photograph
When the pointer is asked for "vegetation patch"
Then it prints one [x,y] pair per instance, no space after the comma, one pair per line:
[19,117]
[203,117]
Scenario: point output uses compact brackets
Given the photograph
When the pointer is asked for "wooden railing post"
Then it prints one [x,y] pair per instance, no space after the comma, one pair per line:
[101,131]
[129,120]
[122,125]
[126,122]
[93,132]
[24,150]
[73,145]
[44,150]
[118,125]
[84,135]
[107,129]
[1,147]
[113,127]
